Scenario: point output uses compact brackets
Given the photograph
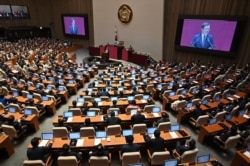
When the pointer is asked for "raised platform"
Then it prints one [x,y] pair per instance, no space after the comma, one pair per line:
[102,64]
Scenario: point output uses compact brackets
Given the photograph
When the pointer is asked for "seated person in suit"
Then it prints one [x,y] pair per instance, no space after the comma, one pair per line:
[245,133]
[87,123]
[100,151]
[20,128]
[176,102]
[164,118]
[219,109]
[224,136]
[112,120]
[104,92]
[40,107]
[38,153]
[138,118]
[155,144]
[130,146]
[175,86]
[3,100]
[67,152]
[182,148]
[197,111]
[62,124]
[230,107]
[74,104]
[114,104]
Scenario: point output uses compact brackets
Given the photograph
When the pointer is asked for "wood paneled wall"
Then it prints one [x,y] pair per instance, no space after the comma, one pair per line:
[174,8]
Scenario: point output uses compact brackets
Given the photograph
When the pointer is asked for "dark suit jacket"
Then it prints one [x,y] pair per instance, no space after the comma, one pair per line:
[38,153]
[130,148]
[156,123]
[197,112]
[224,136]
[155,145]
[182,148]
[113,121]
[138,118]
[208,42]
[100,153]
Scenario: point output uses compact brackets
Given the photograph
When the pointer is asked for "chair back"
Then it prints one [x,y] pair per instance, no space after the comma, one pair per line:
[220,115]
[164,126]
[60,132]
[202,120]
[158,158]
[140,128]
[130,158]
[148,108]
[114,130]
[189,156]
[9,130]
[87,132]
[76,111]
[98,160]
[67,160]
[231,142]
[33,163]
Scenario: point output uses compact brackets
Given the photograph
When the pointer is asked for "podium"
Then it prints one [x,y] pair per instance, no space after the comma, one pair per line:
[105,56]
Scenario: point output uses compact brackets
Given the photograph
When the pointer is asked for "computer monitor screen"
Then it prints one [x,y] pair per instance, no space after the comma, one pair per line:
[171,162]
[60,81]
[100,134]
[71,81]
[30,96]
[228,117]
[159,86]
[248,147]
[136,164]
[90,90]
[171,94]
[204,102]
[114,98]
[15,94]
[120,89]
[156,79]
[217,98]
[45,98]
[27,112]
[127,132]
[49,87]
[67,114]
[61,88]
[91,113]
[212,121]
[151,130]
[115,111]
[130,98]
[74,135]
[175,127]
[189,105]
[184,92]
[203,159]
[146,97]
[97,99]
[12,109]
[241,112]
[171,84]
[133,111]
[80,100]
[47,136]
[156,109]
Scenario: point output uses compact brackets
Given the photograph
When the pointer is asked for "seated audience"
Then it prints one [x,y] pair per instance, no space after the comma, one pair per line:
[138,118]
[176,102]
[37,152]
[112,120]
[67,152]
[130,146]
[100,151]
[181,148]
[155,144]
[20,128]
[224,136]
[197,111]
[164,118]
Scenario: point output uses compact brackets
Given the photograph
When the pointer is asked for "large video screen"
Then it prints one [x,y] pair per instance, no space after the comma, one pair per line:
[209,34]
[75,25]
[20,12]
[5,12]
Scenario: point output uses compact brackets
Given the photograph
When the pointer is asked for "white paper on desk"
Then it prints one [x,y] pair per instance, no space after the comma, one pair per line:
[207,90]
[97,141]
[156,114]
[247,153]
[43,143]
[230,98]
[246,116]
[173,134]
[195,82]
[144,101]
[237,96]
[69,119]
[100,103]
[80,142]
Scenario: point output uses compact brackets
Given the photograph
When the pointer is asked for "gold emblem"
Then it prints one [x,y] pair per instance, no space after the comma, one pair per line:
[125,13]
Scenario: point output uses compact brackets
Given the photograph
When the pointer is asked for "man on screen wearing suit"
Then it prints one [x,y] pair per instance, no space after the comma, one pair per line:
[203,39]
[73,29]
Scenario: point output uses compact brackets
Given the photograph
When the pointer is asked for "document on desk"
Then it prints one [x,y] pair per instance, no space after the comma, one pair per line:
[173,134]
[97,141]
[43,143]
[144,101]
[156,114]
[247,153]
[246,116]
[80,142]
[208,90]
[230,98]
[100,103]
[69,119]
[237,96]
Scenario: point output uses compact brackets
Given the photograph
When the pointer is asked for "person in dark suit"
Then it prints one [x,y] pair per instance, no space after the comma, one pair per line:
[112,120]
[100,151]
[130,146]
[104,92]
[66,152]
[175,85]
[182,148]
[164,118]
[87,123]
[155,144]
[38,153]
[233,131]
[3,100]
[197,111]
[203,39]
[138,118]
[20,128]
[73,29]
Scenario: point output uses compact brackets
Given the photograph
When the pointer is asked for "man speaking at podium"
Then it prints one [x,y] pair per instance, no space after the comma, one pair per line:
[203,39]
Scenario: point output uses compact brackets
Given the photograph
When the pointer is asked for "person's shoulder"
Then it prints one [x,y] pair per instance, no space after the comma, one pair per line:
[197,35]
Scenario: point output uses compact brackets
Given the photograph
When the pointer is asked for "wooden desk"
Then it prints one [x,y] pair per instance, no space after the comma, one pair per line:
[208,130]
[5,143]
[73,87]
[240,159]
